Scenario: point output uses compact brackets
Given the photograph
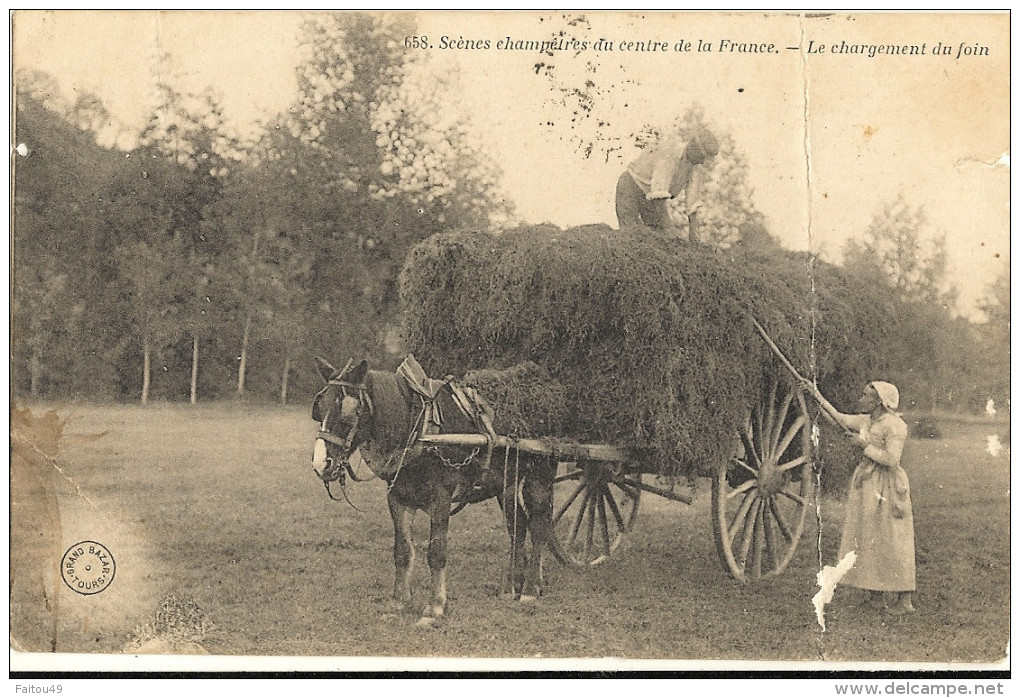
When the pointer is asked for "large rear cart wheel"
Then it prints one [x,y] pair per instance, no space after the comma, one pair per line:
[595,507]
[760,498]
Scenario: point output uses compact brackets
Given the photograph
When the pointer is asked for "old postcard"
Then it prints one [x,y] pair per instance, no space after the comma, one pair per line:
[510,341]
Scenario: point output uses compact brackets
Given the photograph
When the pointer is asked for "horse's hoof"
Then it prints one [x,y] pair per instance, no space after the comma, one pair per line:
[527,598]
[426,622]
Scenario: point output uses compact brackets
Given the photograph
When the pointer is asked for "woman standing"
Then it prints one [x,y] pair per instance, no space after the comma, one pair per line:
[879,525]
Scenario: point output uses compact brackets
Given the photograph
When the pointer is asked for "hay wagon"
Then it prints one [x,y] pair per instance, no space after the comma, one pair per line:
[760,496]
[665,377]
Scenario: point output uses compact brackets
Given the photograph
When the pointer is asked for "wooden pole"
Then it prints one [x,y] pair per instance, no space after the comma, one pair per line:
[789,367]
[567,450]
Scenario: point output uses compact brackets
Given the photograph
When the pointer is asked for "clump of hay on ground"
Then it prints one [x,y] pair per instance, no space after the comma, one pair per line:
[650,338]
[178,626]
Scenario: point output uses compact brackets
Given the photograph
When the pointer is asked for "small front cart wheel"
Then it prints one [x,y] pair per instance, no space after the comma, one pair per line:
[595,508]
[760,498]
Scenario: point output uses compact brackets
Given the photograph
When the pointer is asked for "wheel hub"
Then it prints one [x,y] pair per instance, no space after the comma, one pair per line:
[770,480]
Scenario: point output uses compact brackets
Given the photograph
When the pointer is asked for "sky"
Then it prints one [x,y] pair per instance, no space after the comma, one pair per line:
[830,134]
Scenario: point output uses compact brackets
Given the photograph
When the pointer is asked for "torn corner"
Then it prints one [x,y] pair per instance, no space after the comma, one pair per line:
[828,579]
[1002,161]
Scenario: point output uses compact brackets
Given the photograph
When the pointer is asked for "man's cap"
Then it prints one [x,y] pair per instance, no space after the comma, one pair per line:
[705,140]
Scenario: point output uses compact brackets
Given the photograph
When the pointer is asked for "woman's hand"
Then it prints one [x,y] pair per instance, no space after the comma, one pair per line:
[857,440]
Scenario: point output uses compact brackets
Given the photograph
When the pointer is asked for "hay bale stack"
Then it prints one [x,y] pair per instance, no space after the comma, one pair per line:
[527,401]
[649,338]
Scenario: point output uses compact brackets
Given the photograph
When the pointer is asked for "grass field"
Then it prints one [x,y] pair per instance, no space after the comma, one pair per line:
[218,503]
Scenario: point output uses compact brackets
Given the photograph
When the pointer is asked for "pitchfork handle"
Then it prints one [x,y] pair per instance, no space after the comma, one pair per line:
[796,375]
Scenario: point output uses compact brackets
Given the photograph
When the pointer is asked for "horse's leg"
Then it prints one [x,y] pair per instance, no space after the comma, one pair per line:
[538,496]
[517,527]
[403,549]
[439,514]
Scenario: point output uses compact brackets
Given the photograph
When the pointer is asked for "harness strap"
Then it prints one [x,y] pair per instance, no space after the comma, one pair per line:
[331,438]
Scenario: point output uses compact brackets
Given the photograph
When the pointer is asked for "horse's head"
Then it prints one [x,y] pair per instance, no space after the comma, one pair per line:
[343,410]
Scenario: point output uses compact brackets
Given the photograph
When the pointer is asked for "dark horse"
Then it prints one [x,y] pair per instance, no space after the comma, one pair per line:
[382,416]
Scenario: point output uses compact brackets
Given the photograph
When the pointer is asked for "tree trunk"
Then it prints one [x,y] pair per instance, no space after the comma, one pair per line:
[194,368]
[286,378]
[244,356]
[146,362]
[247,318]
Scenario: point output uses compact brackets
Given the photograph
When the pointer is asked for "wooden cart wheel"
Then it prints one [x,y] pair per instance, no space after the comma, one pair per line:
[760,498]
[595,505]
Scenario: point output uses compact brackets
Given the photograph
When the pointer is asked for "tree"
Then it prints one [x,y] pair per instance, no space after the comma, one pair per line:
[183,157]
[42,292]
[996,307]
[991,368]
[62,247]
[187,245]
[373,157]
[899,252]
[154,286]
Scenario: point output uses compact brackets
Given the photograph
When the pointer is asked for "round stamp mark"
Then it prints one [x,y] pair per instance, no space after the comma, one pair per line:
[88,567]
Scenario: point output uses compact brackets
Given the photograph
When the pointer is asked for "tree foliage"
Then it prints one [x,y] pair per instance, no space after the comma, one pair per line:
[221,263]
[899,250]
[932,351]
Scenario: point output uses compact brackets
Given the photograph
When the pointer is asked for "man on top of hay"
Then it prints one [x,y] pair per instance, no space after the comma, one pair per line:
[660,174]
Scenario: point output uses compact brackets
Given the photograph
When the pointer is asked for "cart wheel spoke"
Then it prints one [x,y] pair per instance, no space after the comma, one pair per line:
[777,428]
[795,428]
[744,487]
[575,527]
[589,538]
[747,530]
[570,500]
[749,447]
[768,425]
[588,529]
[770,543]
[796,462]
[758,420]
[760,500]
[615,509]
[604,527]
[746,467]
[780,519]
[793,495]
[759,541]
[572,475]
[738,519]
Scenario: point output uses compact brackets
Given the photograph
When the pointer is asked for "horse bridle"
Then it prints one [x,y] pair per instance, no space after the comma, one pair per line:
[331,472]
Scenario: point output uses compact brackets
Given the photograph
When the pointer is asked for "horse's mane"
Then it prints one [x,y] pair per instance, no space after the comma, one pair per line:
[392,423]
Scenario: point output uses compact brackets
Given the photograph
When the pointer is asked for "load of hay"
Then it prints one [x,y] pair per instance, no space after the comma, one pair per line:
[526,399]
[649,337]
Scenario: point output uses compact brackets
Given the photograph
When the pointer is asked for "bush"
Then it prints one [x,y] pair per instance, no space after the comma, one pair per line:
[925,428]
